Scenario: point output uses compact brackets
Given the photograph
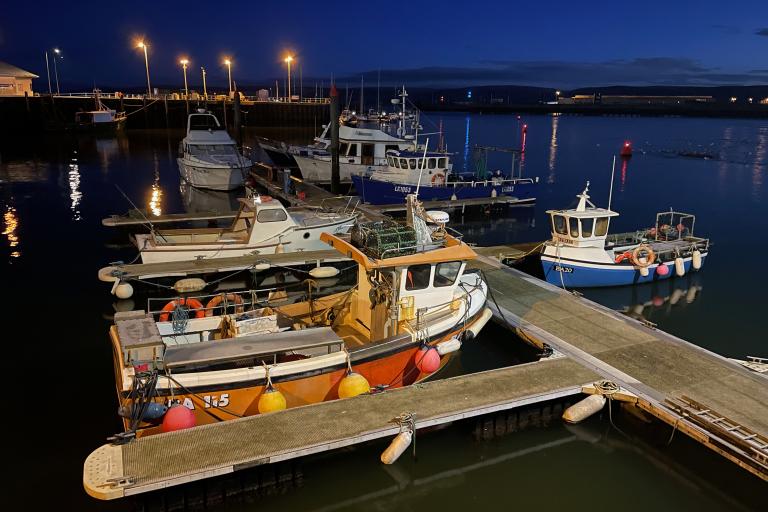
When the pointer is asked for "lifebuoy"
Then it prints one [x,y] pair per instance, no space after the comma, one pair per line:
[649,256]
[192,304]
[230,297]
[438,179]
[265,199]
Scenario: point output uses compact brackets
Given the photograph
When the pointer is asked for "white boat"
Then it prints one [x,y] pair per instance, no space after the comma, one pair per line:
[262,225]
[103,119]
[209,157]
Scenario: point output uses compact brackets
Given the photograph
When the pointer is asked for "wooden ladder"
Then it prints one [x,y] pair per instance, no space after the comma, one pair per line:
[753,444]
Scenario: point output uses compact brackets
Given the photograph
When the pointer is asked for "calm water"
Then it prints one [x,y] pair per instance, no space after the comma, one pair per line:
[54,193]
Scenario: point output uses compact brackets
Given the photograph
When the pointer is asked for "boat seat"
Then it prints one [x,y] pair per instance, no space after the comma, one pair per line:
[251,346]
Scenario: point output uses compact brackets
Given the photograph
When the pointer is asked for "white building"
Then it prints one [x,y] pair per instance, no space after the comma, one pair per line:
[15,81]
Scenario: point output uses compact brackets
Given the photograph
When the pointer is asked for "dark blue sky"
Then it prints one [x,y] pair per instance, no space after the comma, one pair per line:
[552,43]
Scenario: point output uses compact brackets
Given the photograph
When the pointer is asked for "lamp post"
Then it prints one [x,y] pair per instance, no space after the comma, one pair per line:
[205,89]
[48,69]
[288,61]
[229,73]
[143,46]
[56,53]
[184,63]
[557,96]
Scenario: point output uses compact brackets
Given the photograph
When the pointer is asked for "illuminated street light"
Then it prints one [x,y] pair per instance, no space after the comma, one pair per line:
[288,61]
[56,53]
[144,46]
[229,73]
[184,63]
[205,89]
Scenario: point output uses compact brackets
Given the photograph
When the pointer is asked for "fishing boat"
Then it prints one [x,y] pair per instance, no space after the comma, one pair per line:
[282,154]
[262,224]
[100,120]
[432,175]
[413,305]
[582,254]
[209,157]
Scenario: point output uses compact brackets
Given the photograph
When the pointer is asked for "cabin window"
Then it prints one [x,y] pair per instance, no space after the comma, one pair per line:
[390,161]
[559,226]
[352,150]
[432,163]
[601,226]
[586,227]
[446,273]
[343,148]
[403,163]
[271,215]
[397,162]
[441,163]
[574,223]
[391,146]
[417,277]
[368,149]
[412,163]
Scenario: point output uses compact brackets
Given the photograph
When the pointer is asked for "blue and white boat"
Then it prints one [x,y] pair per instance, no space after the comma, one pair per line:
[581,254]
[432,173]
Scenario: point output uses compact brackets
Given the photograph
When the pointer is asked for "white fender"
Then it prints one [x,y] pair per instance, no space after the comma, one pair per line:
[321,272]
[696,260]
[473,330]
[448,346]
[679,267]
[397,447]
[190,284]
[584,409]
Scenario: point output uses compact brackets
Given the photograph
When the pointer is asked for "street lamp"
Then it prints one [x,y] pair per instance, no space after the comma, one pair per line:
[184,63]
[56,53]
[144,46]
[288,61]
[205,89]
[557,96]
[229,74]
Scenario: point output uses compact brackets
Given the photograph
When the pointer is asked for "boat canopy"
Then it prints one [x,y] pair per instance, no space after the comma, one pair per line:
[584,226]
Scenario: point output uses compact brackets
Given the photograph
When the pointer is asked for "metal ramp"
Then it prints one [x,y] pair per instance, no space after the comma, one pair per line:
[751,443]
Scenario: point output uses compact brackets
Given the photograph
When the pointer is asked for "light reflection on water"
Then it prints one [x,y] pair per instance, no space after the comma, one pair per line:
[75,195]
[156,194]
[11,225]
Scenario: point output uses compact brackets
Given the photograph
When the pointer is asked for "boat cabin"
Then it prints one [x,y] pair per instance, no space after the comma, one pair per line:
[415,161]
[207,140]
[367,146]
[584,226]
[268,214]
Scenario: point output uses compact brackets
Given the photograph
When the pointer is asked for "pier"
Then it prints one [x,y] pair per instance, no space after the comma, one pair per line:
[717,402]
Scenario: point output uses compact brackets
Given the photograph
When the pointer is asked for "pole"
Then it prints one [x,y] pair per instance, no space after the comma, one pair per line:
[610,193]
[301,83]
[146,64]
[56,72]
[423,166]
[186,89]
[205,88]
[362,88]
[289,80]
[48,68]
[229,73]
[335,177]
[236,119]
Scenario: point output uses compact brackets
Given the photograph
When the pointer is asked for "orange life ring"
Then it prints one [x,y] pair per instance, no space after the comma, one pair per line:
[265,199]
[230,297]
[192,304]
[650,256]
[438,179]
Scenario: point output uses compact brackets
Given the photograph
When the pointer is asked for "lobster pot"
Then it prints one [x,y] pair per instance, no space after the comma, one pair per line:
[140,339]
[384,239]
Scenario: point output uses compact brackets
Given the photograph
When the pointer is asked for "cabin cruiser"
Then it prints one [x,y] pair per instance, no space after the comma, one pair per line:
[262,224]
[102,119]
[209,157]
[414,303]
[581,253]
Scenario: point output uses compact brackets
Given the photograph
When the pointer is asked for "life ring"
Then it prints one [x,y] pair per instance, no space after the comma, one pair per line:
[192,304]
[649,256]
[265,199]
[230,297]
[438,179]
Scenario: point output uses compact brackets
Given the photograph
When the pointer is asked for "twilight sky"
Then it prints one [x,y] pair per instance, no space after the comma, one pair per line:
[449,43]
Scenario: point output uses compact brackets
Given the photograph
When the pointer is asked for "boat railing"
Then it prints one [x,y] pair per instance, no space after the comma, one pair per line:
[493,182]
[348,208]
[437,243]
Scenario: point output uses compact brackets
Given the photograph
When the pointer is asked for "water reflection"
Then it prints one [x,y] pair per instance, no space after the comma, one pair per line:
[11,225]
[758,166]
[207,201]
[467,145]
[156,196]
[553,148]
[75,196]
[29,171]
[624,166]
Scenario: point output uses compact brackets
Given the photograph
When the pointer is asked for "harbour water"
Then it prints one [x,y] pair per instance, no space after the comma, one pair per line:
[55,191]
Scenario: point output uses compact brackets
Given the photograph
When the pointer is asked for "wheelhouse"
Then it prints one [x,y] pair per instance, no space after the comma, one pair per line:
[584,226]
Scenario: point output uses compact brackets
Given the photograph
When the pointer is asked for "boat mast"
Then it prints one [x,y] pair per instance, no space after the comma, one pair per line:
[610,192]
[362,81]
[423,165]
[378,90]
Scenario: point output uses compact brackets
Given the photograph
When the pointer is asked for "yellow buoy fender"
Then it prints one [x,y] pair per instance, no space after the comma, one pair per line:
[352,385]
[190,284]
[696,260]
[321,272]
[584,409]
[397,447]
[271,400]
[679,267]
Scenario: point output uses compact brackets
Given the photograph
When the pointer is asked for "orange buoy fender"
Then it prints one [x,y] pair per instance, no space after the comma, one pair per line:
[192,304]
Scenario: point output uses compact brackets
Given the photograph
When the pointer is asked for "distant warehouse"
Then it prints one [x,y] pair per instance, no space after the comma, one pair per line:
[15,81]
[614,99]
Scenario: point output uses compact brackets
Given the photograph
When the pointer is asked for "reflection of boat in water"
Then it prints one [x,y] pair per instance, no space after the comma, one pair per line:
[650,299]
[198,200]
[582,254]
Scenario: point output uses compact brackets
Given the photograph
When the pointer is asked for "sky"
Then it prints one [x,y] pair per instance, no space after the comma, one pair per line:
[439,43]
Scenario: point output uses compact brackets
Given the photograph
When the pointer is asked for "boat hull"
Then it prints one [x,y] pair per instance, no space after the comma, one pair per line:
[384,192]
[577,274]
[212,178]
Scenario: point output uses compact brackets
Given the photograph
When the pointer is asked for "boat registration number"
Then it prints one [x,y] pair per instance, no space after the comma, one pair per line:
[208,401]
[565,270]
[405,190]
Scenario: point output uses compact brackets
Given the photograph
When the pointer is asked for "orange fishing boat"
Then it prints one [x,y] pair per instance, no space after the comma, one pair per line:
[413,305]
